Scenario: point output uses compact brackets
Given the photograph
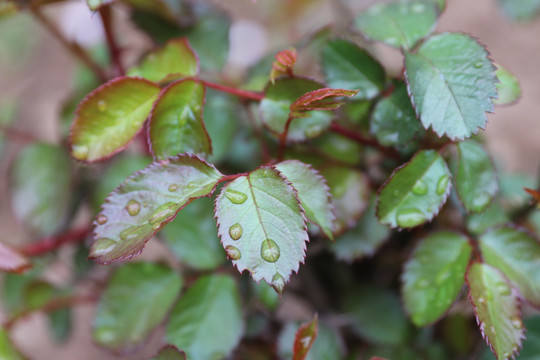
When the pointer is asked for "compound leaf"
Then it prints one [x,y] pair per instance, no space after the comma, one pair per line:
[304,338]
[146,201]
[11,260]
[415,191]
[451,83]
[110,117]
[434,276]
[262,226]
[508,87]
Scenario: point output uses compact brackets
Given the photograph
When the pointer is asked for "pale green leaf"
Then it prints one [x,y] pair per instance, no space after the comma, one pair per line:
[415,191]
[207,322]
[136,299]
[7,350]
[520,10]
[434,276]
[110,117]
[508,87]
[494,215]
[451,82]
[262,226]
[147,201]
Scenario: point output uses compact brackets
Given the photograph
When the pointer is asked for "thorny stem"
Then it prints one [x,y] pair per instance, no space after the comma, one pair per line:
[238,92]
[231,177]
[106,19]
[75,49]
[283,139]
[18,134]
[49,244]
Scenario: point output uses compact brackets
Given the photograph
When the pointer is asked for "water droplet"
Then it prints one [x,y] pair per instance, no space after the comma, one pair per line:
[101,105]
[478,64]
[278,283]
[481,300]
[162,213]
[103,246]
[101,219]
[420,188]
[503,289]
[492,328]
[269,250]
[145,204]
[191,185]
[173,187]
[516,322]
[411,217]
[80,152]
[423,283]
[133,207]
[442,184]
[236,197]
[306,340]
[235,231]
[233,252]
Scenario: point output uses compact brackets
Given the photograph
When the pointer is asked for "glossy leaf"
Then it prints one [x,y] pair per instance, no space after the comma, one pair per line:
[497,310]
[145,202]
[175,60]
[192,236]
[262,226]
[393,121]
[110,117]
[313,193]
[515,252]
[508,87]
[7,350]
[451,81]
[304,338]
[11,260]
[207,321]
[476,181]
[275,109]
[136,299]
[170,352]
[399,23]
[520,10]
[40,188]
[434,276]
[348,66]
[176,122]
[415,192]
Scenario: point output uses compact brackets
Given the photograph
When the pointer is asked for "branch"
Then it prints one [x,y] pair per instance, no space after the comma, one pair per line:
[106,19]
[283,138]
[49,244]
[240,93]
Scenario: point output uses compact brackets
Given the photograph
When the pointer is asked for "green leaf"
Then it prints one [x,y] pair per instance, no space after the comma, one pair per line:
[146,201]
[415,191]
[313,193]
[158,7]
[348,66]
[136,299]
[520,10]
[363,240]
[60,324]
[508,87]
[192,236]
[170,352]
[262,226]
[41,188]
[515,252]
[451,82]
[11,260]
[304,338]
[7,350]
[393,121]
[434,276]
[275,109]
[476,181]
[497,310]
[175,60]
[110,117]
[327,346]
[400,23]
[221,119]
[207,322]
[494,215]
[350,192]
[176,122]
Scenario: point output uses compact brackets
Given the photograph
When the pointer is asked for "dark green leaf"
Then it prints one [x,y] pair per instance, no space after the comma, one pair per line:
[451,82]
[399,23]
[497,310]
[434,276]
[11,260]
[146,201]
[338,148]
[40,188]
[110,117]
[221,119]
[313,193]
[136,299]
[327,346]
[415,192]
[476,181]
[192,236]
[508,88]
[36,294]
[207,322]
[176,122]
[262,226]
[266,295]
[516,254]
[174,61]
[348,66]
[158,7]
[304,338]
[7,350]
[520,10]
[60,324]
[170,352]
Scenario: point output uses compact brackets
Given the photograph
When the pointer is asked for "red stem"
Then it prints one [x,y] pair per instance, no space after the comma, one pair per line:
[283,139]
[240,93]
[49,244]
[231,177]
[18,134]
[114,51]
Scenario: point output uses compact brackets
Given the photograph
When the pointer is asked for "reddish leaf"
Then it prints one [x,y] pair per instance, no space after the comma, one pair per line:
[320,99]
[11,260]
[304,339]
[284,63]
[535,194]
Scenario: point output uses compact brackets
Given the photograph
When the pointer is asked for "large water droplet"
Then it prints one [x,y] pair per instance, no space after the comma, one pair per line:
[504,289]
[101,219]
[420,188]
[269,250]
[173,187]
[278,283]
[80,152]
[481,300]
[103,246]
[236,197]
[235,231]
[101,105]
[442,184]
[516,322]
[191,185]
[162,213]
[411,217]
[478,64]
[133,207]
[233,252]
